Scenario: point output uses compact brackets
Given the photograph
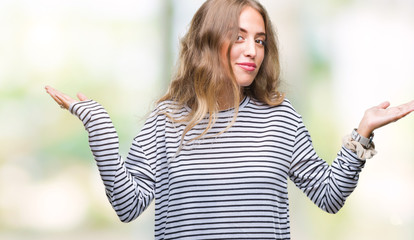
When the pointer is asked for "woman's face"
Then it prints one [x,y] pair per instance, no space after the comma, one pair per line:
[247,53]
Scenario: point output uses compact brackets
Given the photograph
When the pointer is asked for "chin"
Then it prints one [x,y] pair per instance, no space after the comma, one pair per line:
[244,83]
[245,80]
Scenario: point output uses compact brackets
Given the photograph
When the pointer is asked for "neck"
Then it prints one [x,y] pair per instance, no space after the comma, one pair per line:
[226,100]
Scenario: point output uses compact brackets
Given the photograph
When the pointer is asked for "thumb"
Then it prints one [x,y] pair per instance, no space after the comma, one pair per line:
[384,105]
[81,97]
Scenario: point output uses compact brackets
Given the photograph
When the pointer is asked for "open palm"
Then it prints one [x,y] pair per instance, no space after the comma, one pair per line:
[62,99]
[382,115]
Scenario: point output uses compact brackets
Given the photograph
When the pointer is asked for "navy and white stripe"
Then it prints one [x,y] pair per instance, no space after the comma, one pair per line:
[230,186]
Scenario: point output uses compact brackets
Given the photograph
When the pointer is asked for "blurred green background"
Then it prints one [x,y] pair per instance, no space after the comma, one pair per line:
[339,57]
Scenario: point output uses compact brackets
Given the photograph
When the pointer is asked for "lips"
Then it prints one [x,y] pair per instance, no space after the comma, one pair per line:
[247,66]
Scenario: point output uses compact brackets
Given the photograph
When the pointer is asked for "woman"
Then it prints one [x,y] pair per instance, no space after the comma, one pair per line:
[219,147]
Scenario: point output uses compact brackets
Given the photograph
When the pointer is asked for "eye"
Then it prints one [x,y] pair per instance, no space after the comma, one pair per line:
[261,42]
[239,38]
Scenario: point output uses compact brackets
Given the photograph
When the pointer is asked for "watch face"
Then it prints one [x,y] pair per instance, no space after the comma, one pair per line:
[355,135]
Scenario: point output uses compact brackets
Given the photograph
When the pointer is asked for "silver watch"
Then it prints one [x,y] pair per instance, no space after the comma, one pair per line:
[365,142]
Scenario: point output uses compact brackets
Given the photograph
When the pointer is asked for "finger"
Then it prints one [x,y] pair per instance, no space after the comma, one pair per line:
[410,106]
[50,89]
[64,102]
[81,97]
[52,92]
[62,99]
[402,110]
[407,108]
[384,105]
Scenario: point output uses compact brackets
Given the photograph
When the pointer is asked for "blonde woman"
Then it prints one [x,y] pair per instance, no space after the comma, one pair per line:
[217,151]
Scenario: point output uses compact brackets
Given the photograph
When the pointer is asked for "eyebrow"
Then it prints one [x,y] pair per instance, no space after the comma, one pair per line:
[257,34]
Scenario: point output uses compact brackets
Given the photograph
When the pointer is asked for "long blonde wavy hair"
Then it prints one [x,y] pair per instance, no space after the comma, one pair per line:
[203,72]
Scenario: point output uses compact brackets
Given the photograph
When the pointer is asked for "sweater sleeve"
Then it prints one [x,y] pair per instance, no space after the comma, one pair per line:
[327,186]
[129,185]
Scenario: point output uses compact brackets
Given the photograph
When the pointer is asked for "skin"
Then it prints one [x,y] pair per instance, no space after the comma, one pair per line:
[249,48]
[246,54]
[382,115]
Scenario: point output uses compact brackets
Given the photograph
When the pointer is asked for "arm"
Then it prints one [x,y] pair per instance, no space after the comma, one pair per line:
[129,186]
[329,186]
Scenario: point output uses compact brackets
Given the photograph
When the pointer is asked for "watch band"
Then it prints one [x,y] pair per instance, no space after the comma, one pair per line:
[366,142]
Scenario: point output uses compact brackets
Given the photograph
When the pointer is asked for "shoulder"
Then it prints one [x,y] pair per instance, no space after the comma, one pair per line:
[167,110]
[284,108]
[170,108]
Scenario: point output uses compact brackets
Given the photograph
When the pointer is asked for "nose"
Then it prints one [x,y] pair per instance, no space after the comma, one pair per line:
[250,49]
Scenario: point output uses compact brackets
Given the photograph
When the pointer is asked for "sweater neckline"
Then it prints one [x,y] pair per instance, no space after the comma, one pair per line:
[230,111]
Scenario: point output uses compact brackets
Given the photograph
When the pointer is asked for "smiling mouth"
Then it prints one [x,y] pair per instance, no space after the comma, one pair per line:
[247,66]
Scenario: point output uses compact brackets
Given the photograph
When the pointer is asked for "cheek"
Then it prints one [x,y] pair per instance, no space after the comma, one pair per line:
[234,54]
[260,56]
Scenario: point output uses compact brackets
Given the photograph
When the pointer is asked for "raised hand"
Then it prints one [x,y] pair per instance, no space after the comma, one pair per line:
[62,99]
[382,115]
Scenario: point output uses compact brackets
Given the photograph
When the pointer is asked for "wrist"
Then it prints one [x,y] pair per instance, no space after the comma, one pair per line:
[365,141]
[364,131]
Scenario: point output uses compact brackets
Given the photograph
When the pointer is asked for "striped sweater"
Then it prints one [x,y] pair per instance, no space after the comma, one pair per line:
[227,186]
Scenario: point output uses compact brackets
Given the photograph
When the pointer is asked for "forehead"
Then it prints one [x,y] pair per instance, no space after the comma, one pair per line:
[251,20]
